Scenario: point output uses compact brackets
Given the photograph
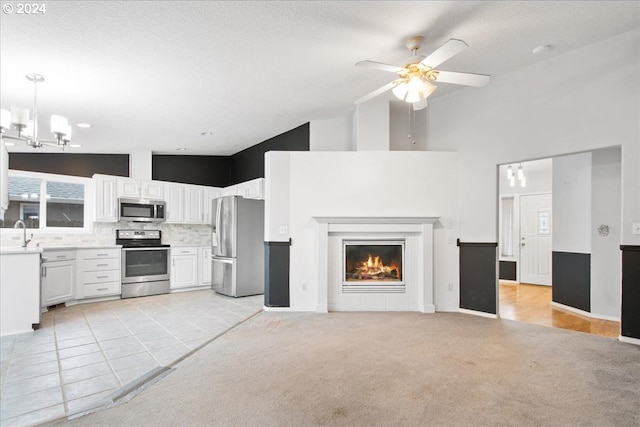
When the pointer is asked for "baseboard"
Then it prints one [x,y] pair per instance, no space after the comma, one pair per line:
[281,309]
[584,313]
[478,313]
[629,340]
[447,309]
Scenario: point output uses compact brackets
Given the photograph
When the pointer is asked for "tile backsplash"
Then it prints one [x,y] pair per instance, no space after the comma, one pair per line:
[105,234]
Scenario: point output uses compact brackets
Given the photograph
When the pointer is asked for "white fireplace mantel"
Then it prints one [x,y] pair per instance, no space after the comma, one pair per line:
[421,226]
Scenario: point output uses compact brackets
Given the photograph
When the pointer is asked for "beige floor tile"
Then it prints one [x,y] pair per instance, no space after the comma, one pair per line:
[22,373]
[20,405]
[65,353]
[85,372]
[31,385]
[91,386]
[78,361]
[74,342]
[36,417]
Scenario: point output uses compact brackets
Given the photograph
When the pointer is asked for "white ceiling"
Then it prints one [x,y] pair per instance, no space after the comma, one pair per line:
[153,75]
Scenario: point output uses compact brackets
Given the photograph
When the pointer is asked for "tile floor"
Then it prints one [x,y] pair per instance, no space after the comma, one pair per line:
[84,353]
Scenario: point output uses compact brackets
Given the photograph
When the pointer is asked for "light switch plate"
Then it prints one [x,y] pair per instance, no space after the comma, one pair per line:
[636,228]
[283,229]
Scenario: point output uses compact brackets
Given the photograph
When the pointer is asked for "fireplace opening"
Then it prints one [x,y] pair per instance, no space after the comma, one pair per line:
[373,266]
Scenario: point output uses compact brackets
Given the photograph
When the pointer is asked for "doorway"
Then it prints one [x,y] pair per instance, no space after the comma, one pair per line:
[589,200]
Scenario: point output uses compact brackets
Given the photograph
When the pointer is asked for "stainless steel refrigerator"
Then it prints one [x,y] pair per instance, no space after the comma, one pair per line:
[237,239]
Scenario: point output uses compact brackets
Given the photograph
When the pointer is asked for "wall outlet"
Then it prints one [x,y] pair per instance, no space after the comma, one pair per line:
[283,229]
[635,228]
[450,287]
[304,286]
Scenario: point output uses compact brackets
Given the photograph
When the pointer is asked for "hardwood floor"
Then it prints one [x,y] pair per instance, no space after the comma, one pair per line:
[532,304]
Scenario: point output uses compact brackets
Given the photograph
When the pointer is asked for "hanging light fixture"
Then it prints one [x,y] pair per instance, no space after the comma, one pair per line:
[415,85]
[511,176]
[27,129]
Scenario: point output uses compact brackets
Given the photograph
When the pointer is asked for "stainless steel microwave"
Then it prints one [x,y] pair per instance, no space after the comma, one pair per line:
[141,210]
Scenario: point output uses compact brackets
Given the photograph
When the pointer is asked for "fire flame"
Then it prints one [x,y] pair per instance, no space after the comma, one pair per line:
[373,267]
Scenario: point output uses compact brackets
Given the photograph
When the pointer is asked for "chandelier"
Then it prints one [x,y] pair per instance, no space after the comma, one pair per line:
[519,174]
[27,128]
[414,84]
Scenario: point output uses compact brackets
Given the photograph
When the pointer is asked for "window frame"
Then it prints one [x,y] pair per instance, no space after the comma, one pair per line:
[87,227]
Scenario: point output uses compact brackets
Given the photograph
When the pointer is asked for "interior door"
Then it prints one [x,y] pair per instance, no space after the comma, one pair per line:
[535,239]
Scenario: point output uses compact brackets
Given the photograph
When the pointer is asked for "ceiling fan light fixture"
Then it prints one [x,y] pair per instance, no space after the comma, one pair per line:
[415,84]
[428,88]
[412,97]
[400,91]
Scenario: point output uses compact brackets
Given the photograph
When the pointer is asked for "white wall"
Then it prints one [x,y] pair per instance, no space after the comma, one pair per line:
[539,178]
[580,101]
[276,196]
[372,125]
[367,183]
[571,222]
[403,123]
[606,263]
[332,134]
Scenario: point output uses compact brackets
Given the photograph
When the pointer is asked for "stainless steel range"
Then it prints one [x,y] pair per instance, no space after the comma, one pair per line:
[145,263]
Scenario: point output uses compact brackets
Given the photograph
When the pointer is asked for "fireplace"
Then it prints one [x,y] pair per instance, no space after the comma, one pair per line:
[371,266]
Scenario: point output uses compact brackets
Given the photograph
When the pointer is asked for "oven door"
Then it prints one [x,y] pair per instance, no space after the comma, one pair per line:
[145,264]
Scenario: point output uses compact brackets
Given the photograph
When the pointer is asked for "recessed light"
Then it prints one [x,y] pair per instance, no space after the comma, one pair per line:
[9,144]
[206,133]
[84,125]
[75,145]
[181,149]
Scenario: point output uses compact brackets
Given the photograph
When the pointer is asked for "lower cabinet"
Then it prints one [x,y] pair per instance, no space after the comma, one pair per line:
[184,267]
[98,273]
[205,265]
[58,277]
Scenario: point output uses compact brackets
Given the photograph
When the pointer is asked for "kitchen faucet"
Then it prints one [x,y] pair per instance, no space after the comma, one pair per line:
[25,242]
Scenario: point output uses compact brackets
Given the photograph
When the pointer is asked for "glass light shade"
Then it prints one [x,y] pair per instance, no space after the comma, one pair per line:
[28,129]
[5,119]
[520,172]
[523,181]
[428,88]
[415,84]
[59,124]
[400,91]
[509,172]
[20,116]
[512,181]
[420,105]
[67,134]
[412,97]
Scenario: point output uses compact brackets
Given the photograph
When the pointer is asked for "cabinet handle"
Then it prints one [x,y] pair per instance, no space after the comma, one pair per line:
[101,265]
[61,256]
[44,271]
[102,277]
[185,252]
[102,254]
[102,289]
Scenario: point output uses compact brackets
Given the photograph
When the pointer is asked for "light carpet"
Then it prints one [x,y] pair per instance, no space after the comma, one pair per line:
[391,369]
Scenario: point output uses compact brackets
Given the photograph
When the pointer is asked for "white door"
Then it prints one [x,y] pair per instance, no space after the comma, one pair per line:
[535,239]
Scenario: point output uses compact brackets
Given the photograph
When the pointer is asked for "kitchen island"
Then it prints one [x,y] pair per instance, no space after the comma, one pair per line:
[19,289]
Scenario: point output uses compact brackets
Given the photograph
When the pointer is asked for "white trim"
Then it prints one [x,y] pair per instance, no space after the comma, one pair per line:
[276,309]
[629,340]
[584,313]
[376,219]
[478,313]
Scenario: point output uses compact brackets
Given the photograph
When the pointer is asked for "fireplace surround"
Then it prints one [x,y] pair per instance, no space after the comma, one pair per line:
[417,271]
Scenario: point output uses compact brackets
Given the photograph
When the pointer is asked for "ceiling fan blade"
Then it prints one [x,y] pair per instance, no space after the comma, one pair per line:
[380,66]
[376,93]
[468,79]
[451,48]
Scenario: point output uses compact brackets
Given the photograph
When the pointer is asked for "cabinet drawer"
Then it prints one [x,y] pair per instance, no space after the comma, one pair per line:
[53,256]
[101,289]
[100,264]
[184,251]
[101,276]
[99,253]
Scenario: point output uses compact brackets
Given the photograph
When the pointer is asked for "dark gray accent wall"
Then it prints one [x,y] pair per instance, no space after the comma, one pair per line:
[84,165]
[630,315]
[571,273]
[508,270]
[276,275]
[478,281]
[212,171]
[249,164]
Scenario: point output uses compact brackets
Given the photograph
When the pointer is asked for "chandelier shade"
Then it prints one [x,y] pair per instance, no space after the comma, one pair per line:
[25,123]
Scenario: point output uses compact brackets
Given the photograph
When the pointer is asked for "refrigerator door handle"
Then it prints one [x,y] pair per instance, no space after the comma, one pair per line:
[225,260]
[218,208]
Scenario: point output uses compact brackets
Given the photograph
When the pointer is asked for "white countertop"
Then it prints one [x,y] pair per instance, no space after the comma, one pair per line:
[5,250]
[13,250]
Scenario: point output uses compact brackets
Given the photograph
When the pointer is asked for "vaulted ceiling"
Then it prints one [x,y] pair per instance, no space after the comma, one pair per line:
[154,75]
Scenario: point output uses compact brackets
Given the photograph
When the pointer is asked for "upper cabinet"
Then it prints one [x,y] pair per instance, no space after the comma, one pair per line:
[106,194]
[186,203]
[4,179]
[129,187]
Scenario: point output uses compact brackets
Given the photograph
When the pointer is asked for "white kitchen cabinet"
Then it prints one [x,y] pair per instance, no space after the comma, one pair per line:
[4,179]
[184,267]
[194,204]
[98,273]
[253,189]
[106,194]
[205,265]
[133,188]
[20,291]
[174,197]
[58,277]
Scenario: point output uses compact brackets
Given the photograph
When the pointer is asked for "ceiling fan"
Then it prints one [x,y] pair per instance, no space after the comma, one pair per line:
[416,78]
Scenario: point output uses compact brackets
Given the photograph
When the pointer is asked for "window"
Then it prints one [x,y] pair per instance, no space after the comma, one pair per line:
[506,231]
[47,201]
